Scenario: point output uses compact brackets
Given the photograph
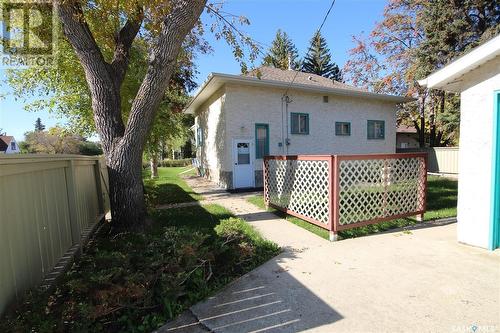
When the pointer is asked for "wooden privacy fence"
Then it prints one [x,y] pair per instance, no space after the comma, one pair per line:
[339,192]
[46,203]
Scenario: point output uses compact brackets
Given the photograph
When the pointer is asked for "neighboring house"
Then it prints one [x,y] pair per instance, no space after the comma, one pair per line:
[240,119]
[407,137]
[476,75]
[8,145]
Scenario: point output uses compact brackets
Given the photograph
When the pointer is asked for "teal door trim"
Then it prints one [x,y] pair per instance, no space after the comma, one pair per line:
[495,177]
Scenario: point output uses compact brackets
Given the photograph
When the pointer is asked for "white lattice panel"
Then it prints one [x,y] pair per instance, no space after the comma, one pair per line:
[301,186]
[380,188]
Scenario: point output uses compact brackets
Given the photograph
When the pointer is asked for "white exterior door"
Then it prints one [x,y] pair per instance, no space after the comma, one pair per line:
[243,173]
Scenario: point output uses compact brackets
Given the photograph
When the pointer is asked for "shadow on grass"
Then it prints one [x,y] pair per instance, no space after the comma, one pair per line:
[441,193]
[197,218]
[168,188]
[159,194]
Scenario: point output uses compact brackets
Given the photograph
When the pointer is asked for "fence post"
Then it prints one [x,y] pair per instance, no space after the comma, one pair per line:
[423,174]
[264,175]
[100,194]
[333,200]
[71,193]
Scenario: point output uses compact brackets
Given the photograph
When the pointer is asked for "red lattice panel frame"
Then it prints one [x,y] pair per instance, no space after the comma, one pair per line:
[377,188]
[300,186]
[339,192]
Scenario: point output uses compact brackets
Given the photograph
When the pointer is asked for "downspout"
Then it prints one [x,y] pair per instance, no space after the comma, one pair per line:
[285,100]
[282,126]
[287,140]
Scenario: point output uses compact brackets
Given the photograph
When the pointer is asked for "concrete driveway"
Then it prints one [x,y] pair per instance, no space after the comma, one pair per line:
[413,280]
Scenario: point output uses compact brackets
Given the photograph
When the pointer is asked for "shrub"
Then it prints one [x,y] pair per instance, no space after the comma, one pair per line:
[175,163]
[244,243]
[169,163]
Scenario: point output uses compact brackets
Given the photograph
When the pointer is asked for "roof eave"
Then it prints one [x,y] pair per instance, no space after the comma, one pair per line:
[187,108]
[230,78]
[449,74]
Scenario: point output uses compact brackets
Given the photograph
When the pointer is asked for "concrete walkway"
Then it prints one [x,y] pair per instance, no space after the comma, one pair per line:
[419,280]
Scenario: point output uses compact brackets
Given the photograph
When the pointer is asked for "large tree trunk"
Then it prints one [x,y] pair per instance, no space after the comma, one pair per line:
[153,163]
[432,123]
[439,138]
[126,190]
[123,145]
[421,125]
[442,101]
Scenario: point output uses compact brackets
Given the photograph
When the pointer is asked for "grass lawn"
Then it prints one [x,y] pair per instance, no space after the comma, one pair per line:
[441,203]
[441,197]
[136,281]
[169,187]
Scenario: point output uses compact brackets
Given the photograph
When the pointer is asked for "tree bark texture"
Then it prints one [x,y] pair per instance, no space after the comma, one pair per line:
[432,122]
[421,125]
[153,162]
[123,144]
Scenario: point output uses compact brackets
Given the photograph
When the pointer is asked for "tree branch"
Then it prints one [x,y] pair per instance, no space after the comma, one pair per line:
[244,36]
[123,43]
[162,59]
[78,32]
[106,102]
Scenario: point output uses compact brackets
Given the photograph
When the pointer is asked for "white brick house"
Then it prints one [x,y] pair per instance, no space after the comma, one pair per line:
[239,119]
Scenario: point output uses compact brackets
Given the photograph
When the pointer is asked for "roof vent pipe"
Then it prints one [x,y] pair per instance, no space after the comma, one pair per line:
[289,61]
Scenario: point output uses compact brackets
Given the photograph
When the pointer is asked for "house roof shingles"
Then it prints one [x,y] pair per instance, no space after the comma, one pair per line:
[276,74]
[5,142]
[406,129]
[283,79]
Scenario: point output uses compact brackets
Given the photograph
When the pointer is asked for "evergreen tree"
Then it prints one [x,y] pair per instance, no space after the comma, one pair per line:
[319,61]
[38,125]
[281,49]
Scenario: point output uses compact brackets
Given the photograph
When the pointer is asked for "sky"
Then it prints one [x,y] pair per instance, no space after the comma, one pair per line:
[299,18]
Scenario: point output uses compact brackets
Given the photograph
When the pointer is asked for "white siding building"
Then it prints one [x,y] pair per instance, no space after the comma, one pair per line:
[8,145]
[476,76]
[240,119]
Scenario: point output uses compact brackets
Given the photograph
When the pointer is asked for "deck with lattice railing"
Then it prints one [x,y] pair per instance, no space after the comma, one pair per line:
[339,192]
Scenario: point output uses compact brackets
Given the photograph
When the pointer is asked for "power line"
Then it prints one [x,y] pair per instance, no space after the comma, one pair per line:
[285,100]
[326,16]
[317,31]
